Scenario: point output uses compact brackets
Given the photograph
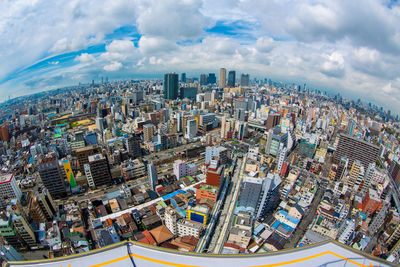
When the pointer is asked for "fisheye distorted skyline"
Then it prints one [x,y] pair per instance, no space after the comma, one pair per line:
[350,47]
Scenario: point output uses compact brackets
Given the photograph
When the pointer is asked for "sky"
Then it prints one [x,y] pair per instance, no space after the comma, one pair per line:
[348,47]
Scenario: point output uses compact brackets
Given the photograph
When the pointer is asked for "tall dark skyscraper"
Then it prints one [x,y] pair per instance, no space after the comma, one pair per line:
[211,78]
[231,78]
[244,80]
[183,77]
[50,174]
[171,86]
[203,79]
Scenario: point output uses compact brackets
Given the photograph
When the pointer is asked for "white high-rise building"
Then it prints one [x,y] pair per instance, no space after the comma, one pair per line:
[171,220]
[281,157]
[89,176]
[191,129]
[99,124]
[179,122]
[9,187]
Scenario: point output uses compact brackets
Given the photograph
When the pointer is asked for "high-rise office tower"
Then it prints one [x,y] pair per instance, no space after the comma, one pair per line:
[231,78]
[244,80]
[82,155]
[16,230]
[41,206]
[4,133]
[132,144]
[100,124]
[241,129]
[191,129]
[273,120]
[281,157]
[179,122]
[148,132]
[356,174]
[250,192]
[99,170]
[51,176]
[394,171]
[270,195]
[152,174]
[342,169]
[222,77]
[171,86]
[211,79]
[203,79]
[183,77]
[356,149]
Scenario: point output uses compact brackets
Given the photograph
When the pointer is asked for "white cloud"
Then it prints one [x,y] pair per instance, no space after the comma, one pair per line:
[114,66]
[172,19]
[156,45]
[334,65]
[85,58]
[120,46]
[354,45]
[265,44]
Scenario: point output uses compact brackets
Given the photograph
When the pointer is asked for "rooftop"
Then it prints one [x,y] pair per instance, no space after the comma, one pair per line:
[6,178]
[95,157]
[209,188]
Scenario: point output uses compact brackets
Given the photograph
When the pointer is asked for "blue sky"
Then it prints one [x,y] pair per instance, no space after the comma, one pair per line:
[351,47]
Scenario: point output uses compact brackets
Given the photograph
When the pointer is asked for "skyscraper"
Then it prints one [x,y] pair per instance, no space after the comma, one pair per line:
[152,174]
[244,80]
[132,144]
[41,206]
[183,77]
[148,132]
[211,79]
[203,79]
[191,129]
[171,86]
[52,179]
[231,78]
[270,194]
[99,170]
[4,133]
[222,77]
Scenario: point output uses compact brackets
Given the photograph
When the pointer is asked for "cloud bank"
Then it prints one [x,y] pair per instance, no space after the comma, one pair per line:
[351,47]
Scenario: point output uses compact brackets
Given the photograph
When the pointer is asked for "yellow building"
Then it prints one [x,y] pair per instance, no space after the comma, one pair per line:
[198,214]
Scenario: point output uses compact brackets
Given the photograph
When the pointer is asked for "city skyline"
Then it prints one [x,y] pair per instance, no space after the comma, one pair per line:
[321,44]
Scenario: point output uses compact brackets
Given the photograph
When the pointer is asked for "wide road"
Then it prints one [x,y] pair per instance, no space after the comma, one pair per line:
[213,219]
[141,206]
[231,201]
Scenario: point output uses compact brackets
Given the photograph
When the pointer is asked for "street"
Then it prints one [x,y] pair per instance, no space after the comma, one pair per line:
[302,228]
